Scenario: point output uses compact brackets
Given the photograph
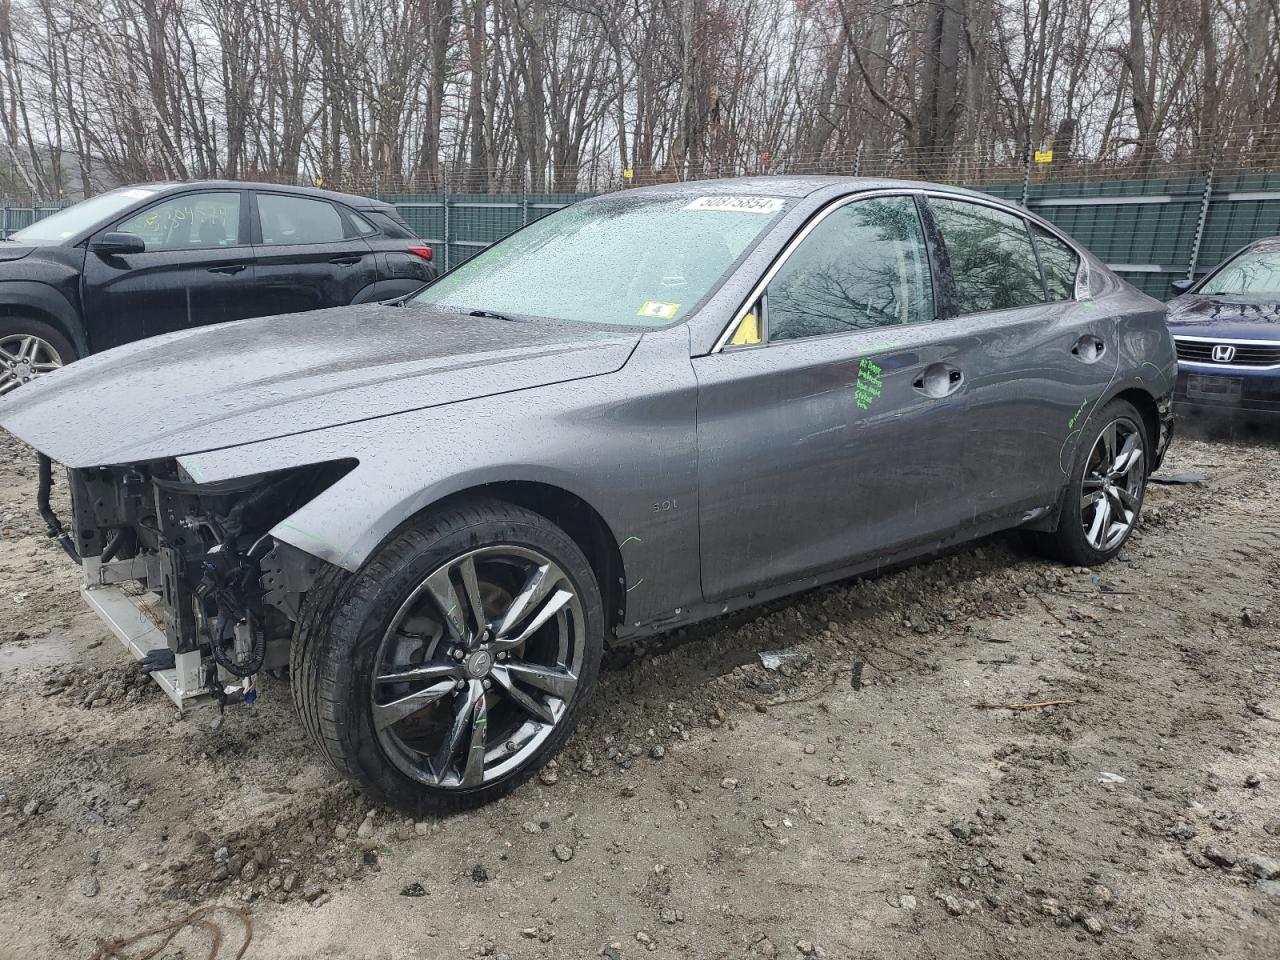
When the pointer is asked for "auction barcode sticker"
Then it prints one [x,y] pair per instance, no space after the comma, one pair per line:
[738,204]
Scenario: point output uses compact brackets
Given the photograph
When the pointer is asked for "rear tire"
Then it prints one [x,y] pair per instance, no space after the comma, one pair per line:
[28,349]
[1103,496]
[497,686]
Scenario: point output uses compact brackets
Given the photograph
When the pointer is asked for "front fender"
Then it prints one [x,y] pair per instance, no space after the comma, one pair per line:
[624,443]
[45,302]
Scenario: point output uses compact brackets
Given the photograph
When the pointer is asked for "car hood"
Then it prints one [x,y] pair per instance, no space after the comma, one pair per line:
[14,251]
[236,383]
[1226,316]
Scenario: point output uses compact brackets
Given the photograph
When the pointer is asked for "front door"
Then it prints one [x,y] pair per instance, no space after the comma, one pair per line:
[197,269]
[830,434]
[308,255]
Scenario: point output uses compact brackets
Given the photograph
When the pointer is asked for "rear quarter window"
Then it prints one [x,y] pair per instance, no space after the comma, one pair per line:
[1059,263]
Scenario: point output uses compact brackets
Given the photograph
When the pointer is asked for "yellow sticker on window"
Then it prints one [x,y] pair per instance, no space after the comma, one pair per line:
[658,310]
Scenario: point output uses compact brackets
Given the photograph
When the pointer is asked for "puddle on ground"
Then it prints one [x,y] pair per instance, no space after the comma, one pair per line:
[19,655]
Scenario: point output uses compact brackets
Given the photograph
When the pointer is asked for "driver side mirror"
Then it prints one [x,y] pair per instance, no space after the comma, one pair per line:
[1182,286]
[117,244]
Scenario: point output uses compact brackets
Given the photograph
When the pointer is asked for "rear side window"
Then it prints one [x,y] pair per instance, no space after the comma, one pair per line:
[992,261]
[297,220]
[864,266]
[189,222]
[1059,263]
[359,225]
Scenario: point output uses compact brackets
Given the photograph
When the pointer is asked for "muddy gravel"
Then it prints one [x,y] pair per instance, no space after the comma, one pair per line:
[870,797]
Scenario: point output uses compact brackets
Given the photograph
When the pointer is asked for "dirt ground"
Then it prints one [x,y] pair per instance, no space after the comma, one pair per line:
[707,807]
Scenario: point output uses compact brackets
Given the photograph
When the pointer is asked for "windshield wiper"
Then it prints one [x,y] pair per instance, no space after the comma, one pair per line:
[493,316]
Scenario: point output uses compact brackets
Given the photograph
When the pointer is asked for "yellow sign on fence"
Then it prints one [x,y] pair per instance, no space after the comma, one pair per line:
[1044,156]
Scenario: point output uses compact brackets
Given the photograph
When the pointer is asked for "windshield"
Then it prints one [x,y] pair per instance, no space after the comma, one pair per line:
[80,217]
[636,261]
[1254,271]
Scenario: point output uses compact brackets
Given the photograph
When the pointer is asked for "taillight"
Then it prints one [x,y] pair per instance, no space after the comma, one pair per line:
[423,252]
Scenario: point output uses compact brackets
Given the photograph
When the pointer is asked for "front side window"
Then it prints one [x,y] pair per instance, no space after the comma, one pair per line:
[1253,272]
[992,261]
[75,219]
[193,221]
[287,220]
[621,260]
[865,265]
[1059,263]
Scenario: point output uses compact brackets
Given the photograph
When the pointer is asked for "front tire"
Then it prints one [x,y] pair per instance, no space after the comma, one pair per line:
[456,662]
[1103,496]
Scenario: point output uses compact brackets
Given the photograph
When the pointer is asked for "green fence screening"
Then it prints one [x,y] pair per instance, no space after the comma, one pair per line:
[1146,230]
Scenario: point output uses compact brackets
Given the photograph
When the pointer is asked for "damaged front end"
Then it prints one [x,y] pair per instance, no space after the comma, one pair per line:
[186,574]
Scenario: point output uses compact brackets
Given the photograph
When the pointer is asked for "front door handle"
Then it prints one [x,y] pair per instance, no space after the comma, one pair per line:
[1089,349]
[939,380]
[229,268]
[348,261]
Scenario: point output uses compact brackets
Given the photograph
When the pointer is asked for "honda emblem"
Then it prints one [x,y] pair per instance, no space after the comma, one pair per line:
[1223,353]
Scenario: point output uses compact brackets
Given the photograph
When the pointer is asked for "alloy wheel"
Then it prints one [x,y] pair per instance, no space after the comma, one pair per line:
[23,357]
[1111,491]
[478,666]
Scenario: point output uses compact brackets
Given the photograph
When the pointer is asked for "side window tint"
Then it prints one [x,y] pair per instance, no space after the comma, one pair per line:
[864,266]
[297,220]
[193,221]
[1060,264]
[992,261]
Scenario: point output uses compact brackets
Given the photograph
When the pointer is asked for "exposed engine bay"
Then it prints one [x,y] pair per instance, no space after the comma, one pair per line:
[186,574]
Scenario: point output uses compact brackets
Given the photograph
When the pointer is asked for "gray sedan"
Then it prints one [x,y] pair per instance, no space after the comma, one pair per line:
[645,410]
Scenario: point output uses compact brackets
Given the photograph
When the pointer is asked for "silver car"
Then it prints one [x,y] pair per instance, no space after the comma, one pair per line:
[648,409]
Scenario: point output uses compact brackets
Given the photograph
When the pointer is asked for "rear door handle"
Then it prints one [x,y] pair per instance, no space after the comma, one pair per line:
[348,261]
[229,268]
[939,380]
[1089,349]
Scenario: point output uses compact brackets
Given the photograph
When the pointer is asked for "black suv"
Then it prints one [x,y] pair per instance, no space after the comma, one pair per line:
[153,258]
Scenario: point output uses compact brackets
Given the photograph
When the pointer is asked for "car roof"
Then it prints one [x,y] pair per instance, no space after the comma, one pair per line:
[350,199]
[791,186]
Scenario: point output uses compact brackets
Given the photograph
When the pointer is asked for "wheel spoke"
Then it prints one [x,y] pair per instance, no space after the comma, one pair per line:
[457,732]
[425,671]
[539,583]
[471,591]
[1101,517]
[549,609]
[530,705]
[558,683]
[1129,455]
[473,766]
[387,714]
[1128,500]
[441,589]
[8,382]
[1109,445]
[1090,498]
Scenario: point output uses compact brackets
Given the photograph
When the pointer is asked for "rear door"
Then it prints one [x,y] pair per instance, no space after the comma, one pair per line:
[827,424]
[197,269]
[309,254]
[1043,359]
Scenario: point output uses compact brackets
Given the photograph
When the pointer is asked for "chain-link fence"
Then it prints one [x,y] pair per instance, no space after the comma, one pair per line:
[1155,209]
